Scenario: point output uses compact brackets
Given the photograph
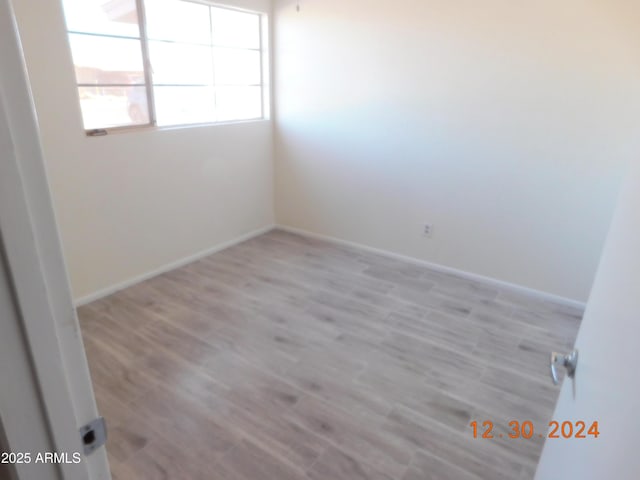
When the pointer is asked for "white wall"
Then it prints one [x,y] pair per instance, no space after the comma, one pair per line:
[504,123]
[130,203]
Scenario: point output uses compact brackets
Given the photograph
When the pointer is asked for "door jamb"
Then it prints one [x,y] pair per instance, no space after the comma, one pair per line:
[36,267]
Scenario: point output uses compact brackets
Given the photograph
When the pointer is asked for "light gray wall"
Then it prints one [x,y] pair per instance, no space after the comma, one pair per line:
[504,123]
[6,471]
[21,413]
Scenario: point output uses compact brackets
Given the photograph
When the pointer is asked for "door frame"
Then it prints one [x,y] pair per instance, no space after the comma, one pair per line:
[37,277]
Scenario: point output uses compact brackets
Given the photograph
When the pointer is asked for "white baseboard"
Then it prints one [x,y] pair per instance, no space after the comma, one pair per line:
[169,266]
[441,268]
[434,266]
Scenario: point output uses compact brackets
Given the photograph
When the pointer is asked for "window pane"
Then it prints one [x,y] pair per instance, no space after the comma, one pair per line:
[237,67]
[235,29]
[104,107]
[184,105]
[178,21]
[111,17]
[175,63]
[238,103]
[106,59]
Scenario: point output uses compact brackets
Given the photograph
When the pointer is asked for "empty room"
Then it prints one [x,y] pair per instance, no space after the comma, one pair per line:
[319,239]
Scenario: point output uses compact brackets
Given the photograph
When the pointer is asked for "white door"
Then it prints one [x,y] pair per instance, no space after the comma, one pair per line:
[45,390]
[607,380]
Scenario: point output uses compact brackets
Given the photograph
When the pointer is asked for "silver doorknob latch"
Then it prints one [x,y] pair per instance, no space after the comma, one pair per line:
[569,362]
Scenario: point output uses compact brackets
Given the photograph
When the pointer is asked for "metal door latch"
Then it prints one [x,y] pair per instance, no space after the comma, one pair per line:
[569,362]
[93,435]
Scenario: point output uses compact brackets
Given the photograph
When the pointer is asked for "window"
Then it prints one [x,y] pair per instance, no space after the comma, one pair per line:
[165,62]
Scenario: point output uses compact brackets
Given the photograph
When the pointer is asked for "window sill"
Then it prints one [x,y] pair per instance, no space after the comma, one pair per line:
[103,132]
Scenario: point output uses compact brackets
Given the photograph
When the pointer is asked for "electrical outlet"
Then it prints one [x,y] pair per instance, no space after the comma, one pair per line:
[427,230]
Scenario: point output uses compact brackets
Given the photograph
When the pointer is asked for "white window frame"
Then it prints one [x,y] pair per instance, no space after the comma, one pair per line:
[148,75]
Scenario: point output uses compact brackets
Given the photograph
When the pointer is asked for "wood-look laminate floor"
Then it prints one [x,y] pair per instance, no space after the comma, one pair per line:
[288,358]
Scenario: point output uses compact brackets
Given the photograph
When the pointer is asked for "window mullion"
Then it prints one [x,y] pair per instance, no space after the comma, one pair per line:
[148,76]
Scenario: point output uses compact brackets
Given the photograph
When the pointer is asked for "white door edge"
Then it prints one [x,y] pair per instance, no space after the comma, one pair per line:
[36,266]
